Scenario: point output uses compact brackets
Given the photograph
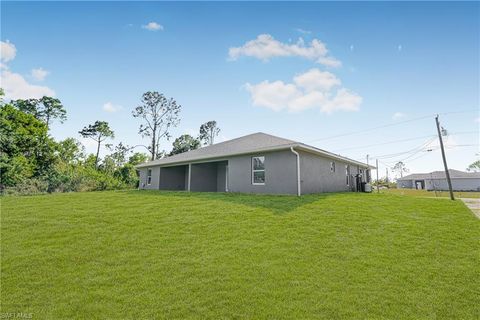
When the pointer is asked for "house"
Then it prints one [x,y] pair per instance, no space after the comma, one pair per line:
[256,163]
[436,180]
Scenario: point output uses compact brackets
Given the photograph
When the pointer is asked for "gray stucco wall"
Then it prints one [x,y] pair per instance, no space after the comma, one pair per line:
[405,184]
[316,176]
[173,178]
[143,178]
[280,173]
[457,184]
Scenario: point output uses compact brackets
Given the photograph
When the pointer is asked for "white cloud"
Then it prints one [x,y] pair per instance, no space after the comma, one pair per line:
[312,89]
[153,26]
[265,47]
[110,107]
[273,95]
[477,120]
[16,87]
[14,84]
[39,74]
[344,100]
[315,79]
[398,115]
[7,51]
[303,31]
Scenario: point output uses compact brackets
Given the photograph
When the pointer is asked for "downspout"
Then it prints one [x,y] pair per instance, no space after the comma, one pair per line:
[299,192]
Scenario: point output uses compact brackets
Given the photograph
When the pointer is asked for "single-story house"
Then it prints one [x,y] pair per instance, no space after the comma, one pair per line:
[436,180]
[256,163]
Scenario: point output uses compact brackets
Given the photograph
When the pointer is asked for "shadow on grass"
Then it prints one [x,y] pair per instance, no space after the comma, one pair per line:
[278,204]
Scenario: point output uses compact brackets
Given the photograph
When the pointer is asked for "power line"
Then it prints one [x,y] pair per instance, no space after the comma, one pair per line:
[402,140]
[390,125]
[419,148]
[390,163]
[384,143]
[370,129]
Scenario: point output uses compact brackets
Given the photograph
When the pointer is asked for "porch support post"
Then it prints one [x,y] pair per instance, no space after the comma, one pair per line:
[189,176]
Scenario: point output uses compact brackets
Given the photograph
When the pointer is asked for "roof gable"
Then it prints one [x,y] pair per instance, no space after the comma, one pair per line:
[250,143]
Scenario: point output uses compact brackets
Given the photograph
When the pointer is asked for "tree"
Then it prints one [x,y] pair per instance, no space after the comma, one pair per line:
[52,109]
[474,167]
[70,151]
[137,158]
[184,143]
[99,132]
[400,168]
[26,151]
[120,154]
[45,109]
[208,132]
[159,114]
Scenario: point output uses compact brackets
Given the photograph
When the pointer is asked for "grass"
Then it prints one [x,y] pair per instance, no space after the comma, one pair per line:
[425,193]
[145,255]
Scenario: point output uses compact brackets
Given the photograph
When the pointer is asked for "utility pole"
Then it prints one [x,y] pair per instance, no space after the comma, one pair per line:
[447,174]
[386,179]
[378,187]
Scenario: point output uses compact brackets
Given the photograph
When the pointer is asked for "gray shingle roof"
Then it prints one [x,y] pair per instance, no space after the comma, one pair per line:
[454,174]
[256,142]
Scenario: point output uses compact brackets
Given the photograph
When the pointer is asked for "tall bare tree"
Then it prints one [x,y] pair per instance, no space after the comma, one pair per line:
[159,115]
[400,168]
[208,132]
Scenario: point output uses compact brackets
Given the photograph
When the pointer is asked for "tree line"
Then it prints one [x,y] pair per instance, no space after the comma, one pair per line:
[32,161]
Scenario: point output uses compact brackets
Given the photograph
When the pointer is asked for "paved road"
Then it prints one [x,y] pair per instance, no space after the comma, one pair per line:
[473,204]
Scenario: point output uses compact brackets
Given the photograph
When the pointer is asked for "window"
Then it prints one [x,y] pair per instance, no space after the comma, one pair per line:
[258,170]
[347,173]
[149,176]
[332,166]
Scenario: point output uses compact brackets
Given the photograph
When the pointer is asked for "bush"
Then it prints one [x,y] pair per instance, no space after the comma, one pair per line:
[27,187]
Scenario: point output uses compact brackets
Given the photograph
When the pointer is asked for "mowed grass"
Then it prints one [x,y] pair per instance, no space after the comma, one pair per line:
[425,193]
[151,255]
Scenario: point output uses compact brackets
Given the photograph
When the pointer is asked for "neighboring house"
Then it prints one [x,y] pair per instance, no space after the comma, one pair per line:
[461,181]
[256,163]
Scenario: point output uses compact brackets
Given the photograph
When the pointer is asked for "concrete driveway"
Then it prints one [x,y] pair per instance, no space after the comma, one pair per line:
[473,204]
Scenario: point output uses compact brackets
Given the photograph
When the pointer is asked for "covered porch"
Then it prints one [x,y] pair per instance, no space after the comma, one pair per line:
[198,177]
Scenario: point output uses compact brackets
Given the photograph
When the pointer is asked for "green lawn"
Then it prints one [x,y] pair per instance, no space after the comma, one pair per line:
[146,255]
[425,193]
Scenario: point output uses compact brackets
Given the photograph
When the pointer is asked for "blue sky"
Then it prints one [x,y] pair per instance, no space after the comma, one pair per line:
[356,66]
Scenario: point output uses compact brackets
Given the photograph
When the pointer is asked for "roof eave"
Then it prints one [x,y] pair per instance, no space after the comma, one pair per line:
[300,146]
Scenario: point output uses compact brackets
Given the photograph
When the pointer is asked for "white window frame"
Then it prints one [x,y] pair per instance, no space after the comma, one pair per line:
[149,177]
[332,166]
[258,170]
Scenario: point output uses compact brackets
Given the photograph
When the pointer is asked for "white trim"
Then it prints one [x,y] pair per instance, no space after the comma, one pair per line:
[257,170]
[299,186]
